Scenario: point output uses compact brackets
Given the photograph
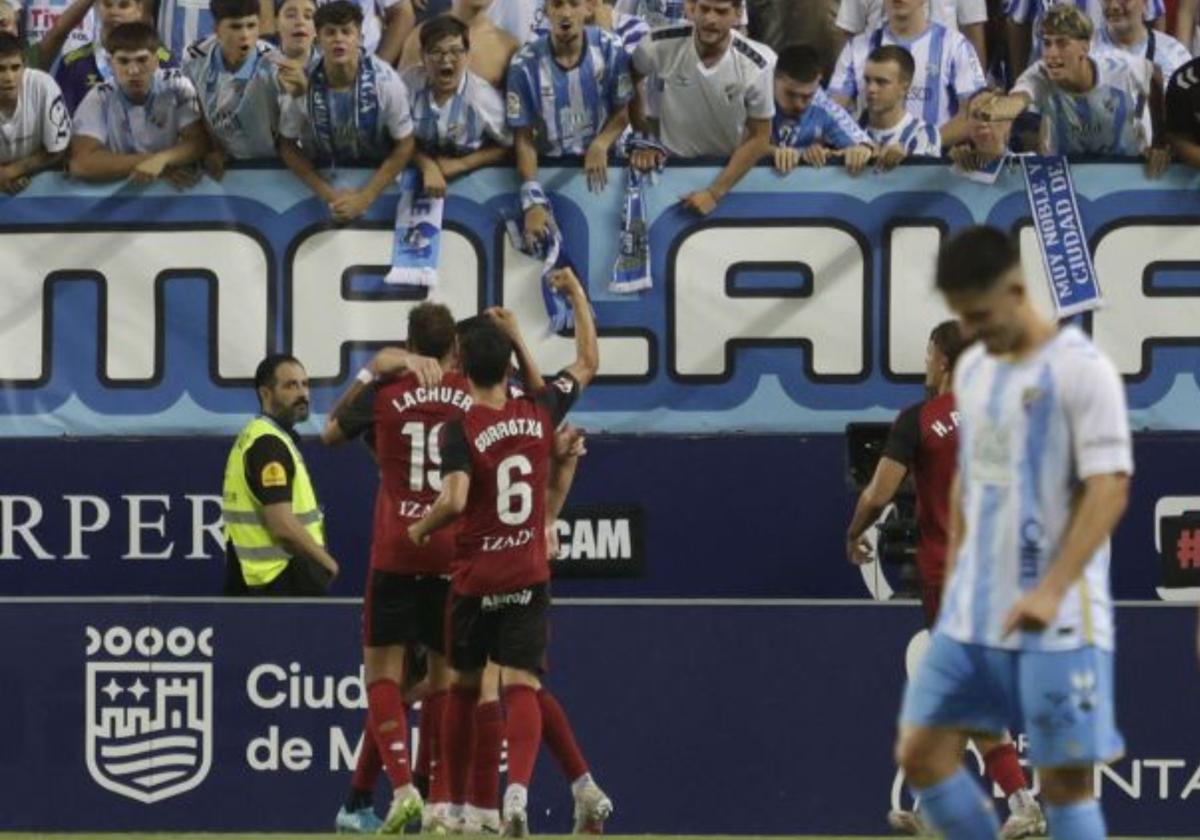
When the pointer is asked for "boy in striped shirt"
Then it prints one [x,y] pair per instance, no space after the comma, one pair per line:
[1025,634]
[896,133]
[808,123]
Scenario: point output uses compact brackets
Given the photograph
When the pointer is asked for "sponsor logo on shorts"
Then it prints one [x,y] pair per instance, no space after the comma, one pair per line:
[491,603]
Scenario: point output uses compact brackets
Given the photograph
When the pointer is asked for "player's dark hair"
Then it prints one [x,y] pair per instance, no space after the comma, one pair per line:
[132,37]
[338,13]
[800,63]
[11,45]
[948,338]
[264,374]
[222,9]
[443,27]
[974,259]
[485,351]
[431,330]
[899,56]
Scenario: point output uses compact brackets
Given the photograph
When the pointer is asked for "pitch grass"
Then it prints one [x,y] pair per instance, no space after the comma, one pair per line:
[166,836]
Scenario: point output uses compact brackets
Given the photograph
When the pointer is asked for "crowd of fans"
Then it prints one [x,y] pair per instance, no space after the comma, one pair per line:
[148,89]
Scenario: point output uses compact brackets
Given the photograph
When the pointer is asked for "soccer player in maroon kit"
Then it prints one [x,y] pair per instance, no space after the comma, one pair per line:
[495,468]
[400,402]
[924,439]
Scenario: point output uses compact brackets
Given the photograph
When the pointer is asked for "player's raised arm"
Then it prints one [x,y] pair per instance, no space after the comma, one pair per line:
[587,346]
[530,372]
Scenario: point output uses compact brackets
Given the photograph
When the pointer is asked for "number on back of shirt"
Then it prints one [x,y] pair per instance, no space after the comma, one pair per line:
[514,498]
[424,456]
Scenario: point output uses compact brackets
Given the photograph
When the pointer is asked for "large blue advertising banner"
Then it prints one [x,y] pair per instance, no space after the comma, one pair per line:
[729,516]
[802,303]
[173,716]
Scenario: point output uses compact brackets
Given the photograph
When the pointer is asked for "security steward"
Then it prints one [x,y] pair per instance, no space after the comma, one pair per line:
[274,529]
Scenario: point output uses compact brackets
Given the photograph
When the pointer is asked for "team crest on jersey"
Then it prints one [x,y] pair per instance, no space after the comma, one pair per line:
[513,105]
[1030,396]
[149,710]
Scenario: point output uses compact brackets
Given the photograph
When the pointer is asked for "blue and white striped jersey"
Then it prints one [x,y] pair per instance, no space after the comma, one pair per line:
[1110,119]
[242,107]
[152,126]
[1166,53]
[916,137]
[1030,432]
[663,12]
[184,22]
[568,108]
[464,123]
[947,71]
[629,29]
[823,121]
[1032,12]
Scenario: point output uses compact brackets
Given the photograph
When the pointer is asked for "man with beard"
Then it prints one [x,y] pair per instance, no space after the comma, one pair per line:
[274,529]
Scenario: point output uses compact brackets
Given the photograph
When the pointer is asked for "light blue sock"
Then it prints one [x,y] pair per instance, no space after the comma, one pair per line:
[1080,821]
[959,809]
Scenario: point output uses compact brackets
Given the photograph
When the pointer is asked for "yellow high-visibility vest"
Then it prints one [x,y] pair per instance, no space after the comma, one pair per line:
[261,558]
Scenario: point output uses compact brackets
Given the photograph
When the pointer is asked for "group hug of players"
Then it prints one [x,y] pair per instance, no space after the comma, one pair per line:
[473,473]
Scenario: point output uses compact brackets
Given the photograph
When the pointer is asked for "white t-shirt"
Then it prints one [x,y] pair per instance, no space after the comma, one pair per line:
[1110,119]
[153,126]
[947,71]
[857,16]
[703,110]
[522,19]
[1167,53]
[1031,432]
[39,122]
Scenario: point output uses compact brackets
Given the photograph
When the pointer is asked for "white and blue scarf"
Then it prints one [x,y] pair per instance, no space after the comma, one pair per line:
[553,256]
[365,112]
[417,246]
[1062,238]
[631,272]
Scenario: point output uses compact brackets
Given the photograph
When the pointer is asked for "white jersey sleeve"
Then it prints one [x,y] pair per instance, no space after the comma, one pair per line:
[1094,400]
[853,16]
[968,12]
[760,96]
[1034,84]
[844,81]
[187,103]
[293,114]
[967,75]
[645,58]
[489,104]
[394,106]
[90,120]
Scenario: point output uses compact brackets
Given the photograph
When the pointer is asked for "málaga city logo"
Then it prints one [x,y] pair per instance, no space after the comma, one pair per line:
[149,710]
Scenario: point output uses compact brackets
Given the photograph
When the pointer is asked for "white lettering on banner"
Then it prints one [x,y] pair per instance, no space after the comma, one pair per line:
[1132,319]
[521,292]
[830,320]
[212,528]
[10,527]
[271,686]
[267,753]
[138,524]
[1130,784]
[705,320]
[322,321]
[101,514]
[599,539]
[130,265]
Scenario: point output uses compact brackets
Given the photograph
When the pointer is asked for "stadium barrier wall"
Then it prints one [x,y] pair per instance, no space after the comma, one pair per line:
[731,516]
[803,303]
[697,719]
